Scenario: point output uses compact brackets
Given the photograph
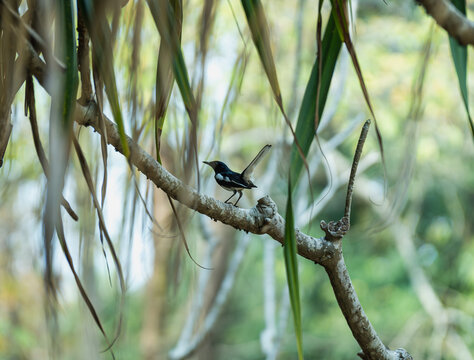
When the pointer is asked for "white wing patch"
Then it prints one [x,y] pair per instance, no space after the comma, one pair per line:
[240,185]
[229,182]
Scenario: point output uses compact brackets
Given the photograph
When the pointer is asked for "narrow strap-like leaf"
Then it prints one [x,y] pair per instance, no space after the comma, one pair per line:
[30,107]
[260,35]
[165,79]
[101,35]
[102,227]
[316,90]
[259,29]
[291,266]
[82,290]
[339,11]
[165,18]
[319,46]
[70,53]
[62,109]
[331,46]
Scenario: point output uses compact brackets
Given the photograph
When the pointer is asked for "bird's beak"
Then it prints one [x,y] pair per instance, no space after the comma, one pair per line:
[210,163]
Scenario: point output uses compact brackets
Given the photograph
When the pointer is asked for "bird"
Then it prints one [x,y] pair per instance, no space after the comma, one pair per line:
[233,181]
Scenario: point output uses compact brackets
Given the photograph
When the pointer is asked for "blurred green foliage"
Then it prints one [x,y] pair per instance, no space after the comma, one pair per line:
[437,205]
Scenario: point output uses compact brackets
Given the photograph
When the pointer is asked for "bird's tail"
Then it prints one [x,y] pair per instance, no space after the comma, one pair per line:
[249,169]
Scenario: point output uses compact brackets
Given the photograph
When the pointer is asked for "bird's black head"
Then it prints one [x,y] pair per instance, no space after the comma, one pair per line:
[218,166]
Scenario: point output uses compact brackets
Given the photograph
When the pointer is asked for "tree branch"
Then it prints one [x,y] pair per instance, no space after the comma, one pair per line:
[355,164]
[451,19]
[363,331]
[261,219]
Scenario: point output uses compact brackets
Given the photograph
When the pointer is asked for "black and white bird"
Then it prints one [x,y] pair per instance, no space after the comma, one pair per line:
[232,181]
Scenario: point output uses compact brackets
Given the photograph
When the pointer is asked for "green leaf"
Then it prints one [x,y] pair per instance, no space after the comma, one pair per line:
[339,12]
[291,265]
[71,78]
[165,78]
[331,46]
[101,36]
[259,29]
[166,21]
[62,108]
[260,34]
[63,101]
[459,55]
[317,88]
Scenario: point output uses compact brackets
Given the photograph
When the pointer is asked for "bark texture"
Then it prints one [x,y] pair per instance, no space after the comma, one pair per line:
[451,19]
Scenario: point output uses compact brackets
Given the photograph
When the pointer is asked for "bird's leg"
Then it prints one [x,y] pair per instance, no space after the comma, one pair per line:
[240,195]
[230,197]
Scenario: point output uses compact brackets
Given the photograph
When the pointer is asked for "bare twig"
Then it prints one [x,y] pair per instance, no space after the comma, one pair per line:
[355,163]
[31,107]
[308,210]
[310,213]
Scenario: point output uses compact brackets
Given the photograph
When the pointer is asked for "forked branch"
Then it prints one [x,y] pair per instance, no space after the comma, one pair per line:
[372,346]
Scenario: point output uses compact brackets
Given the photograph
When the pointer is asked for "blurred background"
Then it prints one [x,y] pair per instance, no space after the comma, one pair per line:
[410,251]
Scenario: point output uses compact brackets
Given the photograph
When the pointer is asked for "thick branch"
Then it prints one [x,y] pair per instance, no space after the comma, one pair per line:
[450,19]
[261,219]
[363,331]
